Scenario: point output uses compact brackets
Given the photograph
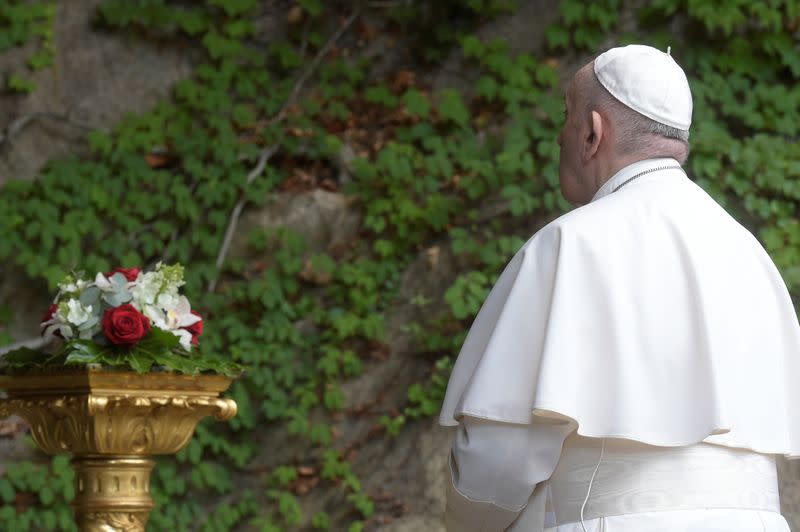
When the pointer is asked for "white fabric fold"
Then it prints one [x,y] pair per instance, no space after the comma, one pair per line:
[494,469]
[648,314]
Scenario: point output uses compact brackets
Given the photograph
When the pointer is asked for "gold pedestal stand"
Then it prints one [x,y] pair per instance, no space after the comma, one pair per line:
[112,423]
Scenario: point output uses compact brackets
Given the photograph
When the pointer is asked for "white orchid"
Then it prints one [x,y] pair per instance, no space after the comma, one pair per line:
[174,318]
[56,326]
[169,300]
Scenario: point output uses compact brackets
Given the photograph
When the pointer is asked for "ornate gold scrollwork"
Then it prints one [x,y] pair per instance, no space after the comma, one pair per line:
[110,423]
[112,522]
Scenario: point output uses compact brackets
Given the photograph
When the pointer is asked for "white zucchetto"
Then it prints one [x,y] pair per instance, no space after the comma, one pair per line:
[648,81]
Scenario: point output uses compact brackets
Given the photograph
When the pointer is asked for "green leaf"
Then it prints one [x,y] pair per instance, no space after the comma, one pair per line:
[46,495]
[235,7]
[79,357]
[17,83]
[159,340]
[312,7]
[557,37]
[452,107]
[486,86]
[416,103]
[472,46]
[7,491]
[139,360]
[321,520]
[86,351]
[22,357]
[380,95]
[175,362]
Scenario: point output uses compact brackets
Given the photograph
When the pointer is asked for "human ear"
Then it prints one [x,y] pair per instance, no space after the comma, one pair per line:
[592,142]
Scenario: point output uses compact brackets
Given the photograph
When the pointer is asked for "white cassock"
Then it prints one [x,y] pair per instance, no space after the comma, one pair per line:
[637,362]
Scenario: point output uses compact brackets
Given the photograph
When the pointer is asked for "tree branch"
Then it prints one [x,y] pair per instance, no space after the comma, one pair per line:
[237,211]
[269,152]
[16,127]
[298,86]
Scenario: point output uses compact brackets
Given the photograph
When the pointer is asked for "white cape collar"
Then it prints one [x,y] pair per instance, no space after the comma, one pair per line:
[629,172]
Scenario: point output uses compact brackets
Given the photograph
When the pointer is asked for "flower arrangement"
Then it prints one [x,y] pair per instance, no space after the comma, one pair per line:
[122,318]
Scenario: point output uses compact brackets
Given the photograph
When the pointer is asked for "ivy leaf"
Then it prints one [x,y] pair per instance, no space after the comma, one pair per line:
[46,495]
[219,46]
[452,107]
[416,103]
[40,60]
[472,46]
[380,95]
[17,83]
[486,86]
[7,491]
[312,7]
[235,7]
[193,21]
[557,37]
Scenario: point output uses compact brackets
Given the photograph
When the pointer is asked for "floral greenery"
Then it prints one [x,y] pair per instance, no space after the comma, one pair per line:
[125,319]
[164,183]
[159,351]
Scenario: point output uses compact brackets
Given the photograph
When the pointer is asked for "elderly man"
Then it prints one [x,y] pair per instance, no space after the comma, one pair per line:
[636,366]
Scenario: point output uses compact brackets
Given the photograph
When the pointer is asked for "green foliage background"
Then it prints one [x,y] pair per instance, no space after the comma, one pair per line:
[446,157]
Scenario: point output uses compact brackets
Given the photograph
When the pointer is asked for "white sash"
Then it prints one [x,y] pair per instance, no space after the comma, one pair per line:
[633,477]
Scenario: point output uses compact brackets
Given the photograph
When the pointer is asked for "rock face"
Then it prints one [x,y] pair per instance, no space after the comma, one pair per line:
[789,476]
[324,218]
[96,78]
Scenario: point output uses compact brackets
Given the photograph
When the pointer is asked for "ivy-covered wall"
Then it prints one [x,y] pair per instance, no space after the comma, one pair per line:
[444,184]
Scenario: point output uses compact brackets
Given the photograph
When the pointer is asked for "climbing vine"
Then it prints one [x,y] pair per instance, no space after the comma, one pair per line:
[23,22]
[470,172]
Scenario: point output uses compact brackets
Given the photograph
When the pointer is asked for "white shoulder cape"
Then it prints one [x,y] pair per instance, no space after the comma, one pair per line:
[648,314]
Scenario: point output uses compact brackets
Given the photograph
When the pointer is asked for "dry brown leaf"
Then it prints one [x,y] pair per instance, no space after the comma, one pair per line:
[432,254]
[157,160]
[295,15]
[310,275]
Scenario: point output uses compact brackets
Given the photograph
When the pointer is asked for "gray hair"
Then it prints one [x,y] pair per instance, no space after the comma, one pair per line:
[635,132]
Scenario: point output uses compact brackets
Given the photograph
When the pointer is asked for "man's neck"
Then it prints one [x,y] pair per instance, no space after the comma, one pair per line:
[632,171]
[610,167]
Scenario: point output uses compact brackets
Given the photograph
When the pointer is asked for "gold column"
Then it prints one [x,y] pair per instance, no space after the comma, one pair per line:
[112,423]
[112,492]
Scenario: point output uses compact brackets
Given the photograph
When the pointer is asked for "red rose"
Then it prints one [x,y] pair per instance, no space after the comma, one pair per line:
[196,329]
[124,325]
[50,313]
[130,273]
